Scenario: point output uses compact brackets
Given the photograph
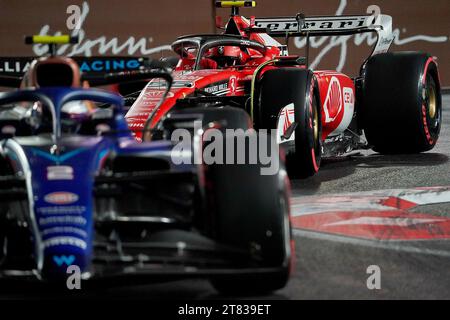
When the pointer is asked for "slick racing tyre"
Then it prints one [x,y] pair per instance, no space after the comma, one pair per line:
[280,88]
[402,104]
[250,212]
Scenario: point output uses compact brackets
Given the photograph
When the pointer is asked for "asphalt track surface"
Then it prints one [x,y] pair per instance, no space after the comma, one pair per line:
[332,263]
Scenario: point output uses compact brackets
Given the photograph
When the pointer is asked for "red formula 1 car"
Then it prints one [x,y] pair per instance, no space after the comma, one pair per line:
[393,105]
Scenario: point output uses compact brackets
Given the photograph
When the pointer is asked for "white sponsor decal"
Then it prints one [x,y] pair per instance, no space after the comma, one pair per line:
[384,221]
[61,198]
[9,129]
[59,173]
[217,89]
[77,231]
[285,120]
[14,66]
[64,241]
[62,210]
[62,219]
[349,109]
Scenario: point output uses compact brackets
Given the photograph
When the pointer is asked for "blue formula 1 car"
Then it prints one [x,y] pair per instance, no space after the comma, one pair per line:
[76,189]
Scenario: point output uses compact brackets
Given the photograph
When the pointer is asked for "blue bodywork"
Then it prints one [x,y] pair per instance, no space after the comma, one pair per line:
[60,170]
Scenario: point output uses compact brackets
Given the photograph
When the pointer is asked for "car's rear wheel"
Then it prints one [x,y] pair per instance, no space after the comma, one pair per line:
[402,104]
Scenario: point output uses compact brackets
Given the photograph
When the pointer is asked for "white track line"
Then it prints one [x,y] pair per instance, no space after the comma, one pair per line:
[367,201]
[394,245]
[362,201]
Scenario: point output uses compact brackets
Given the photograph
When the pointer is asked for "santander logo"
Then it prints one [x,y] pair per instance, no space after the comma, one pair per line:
[61,198]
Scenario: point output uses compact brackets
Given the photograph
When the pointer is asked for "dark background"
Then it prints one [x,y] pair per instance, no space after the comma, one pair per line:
[156,23]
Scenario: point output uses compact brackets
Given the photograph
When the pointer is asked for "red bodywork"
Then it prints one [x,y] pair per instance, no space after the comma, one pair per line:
[336,90]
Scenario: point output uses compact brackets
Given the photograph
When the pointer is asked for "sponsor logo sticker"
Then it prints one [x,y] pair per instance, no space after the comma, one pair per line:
[61,198]
[312,23]
[285,120]
[59,173]
[218,89]
[232,85]
[64,260]
[79,221]
[102,65]
[65,241]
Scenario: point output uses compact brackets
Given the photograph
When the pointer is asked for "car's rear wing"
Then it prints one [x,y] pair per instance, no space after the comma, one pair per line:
[301,26]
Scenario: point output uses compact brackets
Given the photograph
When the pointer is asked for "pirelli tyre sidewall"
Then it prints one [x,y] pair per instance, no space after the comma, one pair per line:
[281,87]
[402,104]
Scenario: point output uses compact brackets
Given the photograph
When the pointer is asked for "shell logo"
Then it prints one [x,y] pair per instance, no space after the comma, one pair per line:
[61,198]
[333,101]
